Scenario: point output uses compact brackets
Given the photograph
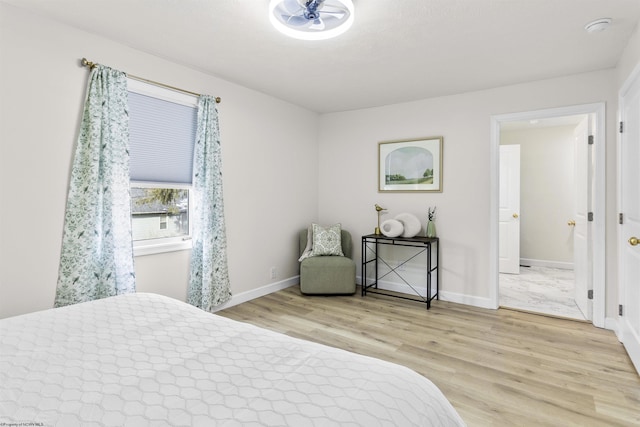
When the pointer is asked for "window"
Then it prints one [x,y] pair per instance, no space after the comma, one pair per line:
[158,212]
[163,222]
[162,129]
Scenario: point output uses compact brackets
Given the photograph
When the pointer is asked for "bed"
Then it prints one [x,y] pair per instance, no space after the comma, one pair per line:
[145,359]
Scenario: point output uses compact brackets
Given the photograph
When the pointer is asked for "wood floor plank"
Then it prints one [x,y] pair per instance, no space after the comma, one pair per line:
[497,367]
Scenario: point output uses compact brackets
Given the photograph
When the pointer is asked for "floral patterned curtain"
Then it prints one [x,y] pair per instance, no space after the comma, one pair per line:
[97,255]
[209,278]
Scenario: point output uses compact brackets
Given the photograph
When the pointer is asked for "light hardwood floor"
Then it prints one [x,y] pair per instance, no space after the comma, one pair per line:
[497,367]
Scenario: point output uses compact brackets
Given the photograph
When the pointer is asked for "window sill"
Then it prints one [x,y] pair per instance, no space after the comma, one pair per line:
[144,250]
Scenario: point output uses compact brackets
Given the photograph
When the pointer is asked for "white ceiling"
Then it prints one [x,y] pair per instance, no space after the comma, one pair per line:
[396,51]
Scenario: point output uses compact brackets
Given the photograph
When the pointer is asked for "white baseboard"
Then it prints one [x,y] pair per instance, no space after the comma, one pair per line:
[480,302]
[611,323]
[259,292]
[546,263]
[471,300]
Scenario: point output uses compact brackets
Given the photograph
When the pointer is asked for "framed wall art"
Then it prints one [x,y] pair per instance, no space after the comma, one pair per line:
[410,165]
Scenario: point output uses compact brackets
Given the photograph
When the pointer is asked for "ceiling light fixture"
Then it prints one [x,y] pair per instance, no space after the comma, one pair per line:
[311,19]
[598,25]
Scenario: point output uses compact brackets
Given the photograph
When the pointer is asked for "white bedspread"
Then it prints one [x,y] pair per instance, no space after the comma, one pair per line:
[145,359]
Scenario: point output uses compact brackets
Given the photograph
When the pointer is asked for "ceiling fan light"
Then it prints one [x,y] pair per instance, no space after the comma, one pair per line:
[312,32]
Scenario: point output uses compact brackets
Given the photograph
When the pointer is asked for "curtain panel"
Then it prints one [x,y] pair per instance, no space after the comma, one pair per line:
[97,256]
[209,277]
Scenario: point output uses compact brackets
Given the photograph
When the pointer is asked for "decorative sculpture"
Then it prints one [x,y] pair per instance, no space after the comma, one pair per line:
[410,223]
[379,209]
[391,228]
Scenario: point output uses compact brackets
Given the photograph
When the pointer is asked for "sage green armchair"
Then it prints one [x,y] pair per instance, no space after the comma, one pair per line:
[329,274]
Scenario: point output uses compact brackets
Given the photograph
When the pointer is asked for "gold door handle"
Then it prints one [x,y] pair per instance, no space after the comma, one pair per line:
[515,215]
[571,223]
[633,241]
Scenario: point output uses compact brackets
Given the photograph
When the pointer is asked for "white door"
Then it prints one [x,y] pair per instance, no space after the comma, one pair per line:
[581,229]
[629,230]
[509,210]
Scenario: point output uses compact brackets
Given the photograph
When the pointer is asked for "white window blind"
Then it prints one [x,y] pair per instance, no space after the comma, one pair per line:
[161,138]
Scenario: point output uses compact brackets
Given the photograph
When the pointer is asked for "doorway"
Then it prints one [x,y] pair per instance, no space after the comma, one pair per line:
[594,257]
[541,232]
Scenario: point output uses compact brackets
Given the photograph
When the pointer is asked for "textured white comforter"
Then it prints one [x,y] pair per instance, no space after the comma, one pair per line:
[145,359]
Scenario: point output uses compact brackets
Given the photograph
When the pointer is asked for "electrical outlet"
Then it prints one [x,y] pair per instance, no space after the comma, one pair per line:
[273,273]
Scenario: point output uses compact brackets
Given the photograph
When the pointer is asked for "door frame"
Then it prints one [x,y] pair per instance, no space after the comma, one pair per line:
[582,246]
[598,200]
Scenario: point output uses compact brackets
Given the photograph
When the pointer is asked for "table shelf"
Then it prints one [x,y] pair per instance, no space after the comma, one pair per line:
[371,246]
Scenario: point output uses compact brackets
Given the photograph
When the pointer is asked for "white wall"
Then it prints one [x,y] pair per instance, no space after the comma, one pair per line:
[348,166]
[547,191]
[269,163]
[630,58]
[277,177]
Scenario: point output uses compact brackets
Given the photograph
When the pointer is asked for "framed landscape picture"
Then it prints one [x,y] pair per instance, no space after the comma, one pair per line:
[410,165]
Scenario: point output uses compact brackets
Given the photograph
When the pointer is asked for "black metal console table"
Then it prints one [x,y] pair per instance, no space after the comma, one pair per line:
[370,246]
